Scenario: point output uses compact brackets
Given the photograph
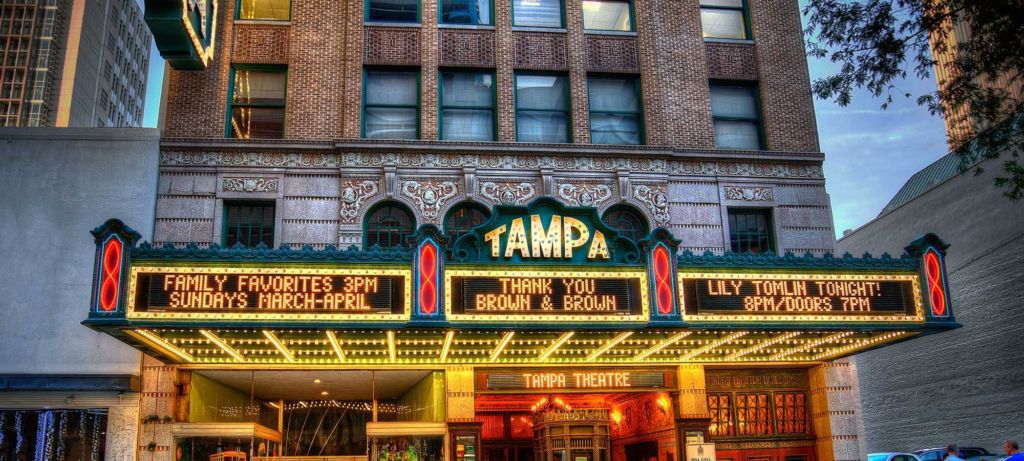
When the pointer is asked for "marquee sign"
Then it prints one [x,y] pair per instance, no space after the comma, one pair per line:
[525,294]
[801,297]
[578,380]
[268,292]
[184,31]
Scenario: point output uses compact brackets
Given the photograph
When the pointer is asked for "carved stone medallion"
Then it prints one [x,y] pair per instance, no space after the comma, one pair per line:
[585,194]
[508,193]
[354,194]
[255,184]
[655,198]
[749,194]
[430,195]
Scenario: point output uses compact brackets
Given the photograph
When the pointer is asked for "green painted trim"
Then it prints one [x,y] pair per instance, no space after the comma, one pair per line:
[419,97]
[632,17]
[441,106]
[367,20]
[639,102]
[238,13]
[561,15]
[383,203]
[250,202]
[231,94]
[568,102]
[440,14]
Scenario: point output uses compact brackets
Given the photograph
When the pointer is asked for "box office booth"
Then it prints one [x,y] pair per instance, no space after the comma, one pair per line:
[541,334]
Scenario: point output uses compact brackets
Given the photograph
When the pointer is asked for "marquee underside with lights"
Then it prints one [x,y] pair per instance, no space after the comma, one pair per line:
[537,285]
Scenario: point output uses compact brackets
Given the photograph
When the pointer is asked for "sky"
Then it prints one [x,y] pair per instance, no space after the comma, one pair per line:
[869,152]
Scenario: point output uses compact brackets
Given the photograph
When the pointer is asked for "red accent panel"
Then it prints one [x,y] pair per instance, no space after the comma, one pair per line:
[428,279]
[663,280]
[110,275]
[936,289]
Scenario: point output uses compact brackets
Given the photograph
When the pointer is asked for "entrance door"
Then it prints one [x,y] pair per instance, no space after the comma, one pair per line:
[647,451]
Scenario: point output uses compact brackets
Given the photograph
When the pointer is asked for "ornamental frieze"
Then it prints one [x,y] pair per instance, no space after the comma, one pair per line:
[510,162]
[655,198]
[508,192]
[430,196]
[585,194]
[354,193]
[252,184]
[749,194]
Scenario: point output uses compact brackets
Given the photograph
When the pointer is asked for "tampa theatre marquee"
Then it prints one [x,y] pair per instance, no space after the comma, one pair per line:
[541,299]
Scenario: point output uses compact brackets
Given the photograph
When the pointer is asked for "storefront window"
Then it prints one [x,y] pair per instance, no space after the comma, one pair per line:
[57,435]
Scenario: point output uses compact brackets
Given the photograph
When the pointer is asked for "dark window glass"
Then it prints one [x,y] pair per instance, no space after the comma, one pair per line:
[750,230]
[723,18]
[542,108]
[53,434]
[537,13]
[277,10]
[628,222]
[393,10]
[472,12]
[248,224]
[388,226]
[614,15]
[391,105]
[467,106]
[257,104]
[615,116]
[737,119]
[461,219]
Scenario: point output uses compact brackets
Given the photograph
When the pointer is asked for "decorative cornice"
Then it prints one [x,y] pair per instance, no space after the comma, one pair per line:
[749,194]
[263,253]
[251,184]
[789,260]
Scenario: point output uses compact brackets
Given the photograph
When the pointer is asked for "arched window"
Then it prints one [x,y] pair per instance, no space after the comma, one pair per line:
[629,222]
[462,218]
[388,225]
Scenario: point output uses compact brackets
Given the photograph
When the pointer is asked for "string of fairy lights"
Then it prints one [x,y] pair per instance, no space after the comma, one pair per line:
[432,347]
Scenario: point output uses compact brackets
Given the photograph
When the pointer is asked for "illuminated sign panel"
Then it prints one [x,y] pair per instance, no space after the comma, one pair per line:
[209,292]
[575,380]
[543,295]
[801,297]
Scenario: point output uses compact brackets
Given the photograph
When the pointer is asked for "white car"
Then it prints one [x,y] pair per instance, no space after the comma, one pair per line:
[893,456]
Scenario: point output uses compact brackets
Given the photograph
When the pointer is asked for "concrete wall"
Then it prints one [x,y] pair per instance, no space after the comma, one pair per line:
[55,186]
[963,386]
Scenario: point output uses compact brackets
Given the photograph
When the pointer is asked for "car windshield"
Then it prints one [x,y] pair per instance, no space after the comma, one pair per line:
[877,457]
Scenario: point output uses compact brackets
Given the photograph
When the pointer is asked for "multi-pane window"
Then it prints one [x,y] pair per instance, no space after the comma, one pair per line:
[627,221]
[736,116]
[721,414]
[461,220]
[615,116]
[273,10]
[724,19]
[470,12]
[752,415]
[467,106]
[542,108]
[257,103]
[537,13]
[391,105]
[248,224]
[611,15]
[750,230]
[790,413]
[388,226]
[393,10]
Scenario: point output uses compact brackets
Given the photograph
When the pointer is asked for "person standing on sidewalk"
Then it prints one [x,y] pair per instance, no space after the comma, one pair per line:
[952,453]
[1013,449]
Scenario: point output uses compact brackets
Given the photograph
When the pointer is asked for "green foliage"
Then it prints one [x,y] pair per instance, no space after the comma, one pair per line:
[877,43]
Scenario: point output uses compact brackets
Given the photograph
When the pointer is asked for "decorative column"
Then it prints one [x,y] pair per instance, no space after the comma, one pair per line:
[692,405]
[835,411]
[155,442]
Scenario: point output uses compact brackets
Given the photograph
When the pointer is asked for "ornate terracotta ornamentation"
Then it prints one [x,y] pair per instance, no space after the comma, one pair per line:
[508,193]
[251,184]
[749,194]
[354,193]
[430,195]
[585,194]
[655,198]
